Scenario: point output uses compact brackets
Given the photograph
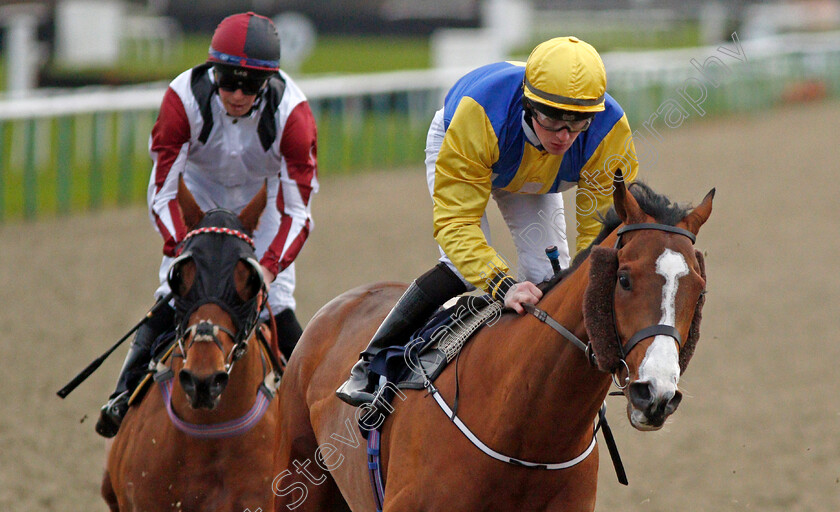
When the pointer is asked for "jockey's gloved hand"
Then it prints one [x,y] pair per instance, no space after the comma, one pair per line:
[525,292]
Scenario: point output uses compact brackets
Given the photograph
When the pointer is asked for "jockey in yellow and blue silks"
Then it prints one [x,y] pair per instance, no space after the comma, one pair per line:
[521,134]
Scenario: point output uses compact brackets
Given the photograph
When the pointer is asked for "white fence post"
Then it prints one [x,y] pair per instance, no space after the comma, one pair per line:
[23,52]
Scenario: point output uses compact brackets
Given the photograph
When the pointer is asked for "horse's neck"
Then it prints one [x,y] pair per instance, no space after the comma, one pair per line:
[551,390]
[577,381]
[239,394]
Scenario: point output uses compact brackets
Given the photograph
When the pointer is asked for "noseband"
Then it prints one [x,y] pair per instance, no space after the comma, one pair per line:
[205,331]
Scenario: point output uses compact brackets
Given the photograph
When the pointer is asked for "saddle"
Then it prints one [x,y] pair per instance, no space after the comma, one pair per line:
[432,347]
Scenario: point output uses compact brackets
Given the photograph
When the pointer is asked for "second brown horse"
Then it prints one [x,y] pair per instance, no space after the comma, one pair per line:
[204,439]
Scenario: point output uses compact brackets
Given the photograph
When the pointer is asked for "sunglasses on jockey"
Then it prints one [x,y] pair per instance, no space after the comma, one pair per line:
[230,82]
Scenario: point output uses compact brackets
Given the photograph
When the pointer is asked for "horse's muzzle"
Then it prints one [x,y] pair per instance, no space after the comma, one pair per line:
[647,408]
[203,392]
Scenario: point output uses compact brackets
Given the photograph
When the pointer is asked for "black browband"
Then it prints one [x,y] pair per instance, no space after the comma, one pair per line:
[657,227]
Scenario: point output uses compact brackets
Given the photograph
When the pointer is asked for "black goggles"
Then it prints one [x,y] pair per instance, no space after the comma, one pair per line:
[555,125]
[230,83]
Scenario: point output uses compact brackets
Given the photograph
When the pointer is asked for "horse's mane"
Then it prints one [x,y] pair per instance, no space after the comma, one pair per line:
[662,209]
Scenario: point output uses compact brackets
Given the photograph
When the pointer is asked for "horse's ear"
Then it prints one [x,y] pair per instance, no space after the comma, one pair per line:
[625,204]
[189,208]
[700,214]
[250,215]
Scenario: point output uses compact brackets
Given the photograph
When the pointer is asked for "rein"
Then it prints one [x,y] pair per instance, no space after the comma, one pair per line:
[545,318]
[603,425]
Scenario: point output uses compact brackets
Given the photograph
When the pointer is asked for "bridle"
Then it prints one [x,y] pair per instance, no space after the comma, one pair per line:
[652,330]
[244,315]
[216,246]
[632,341]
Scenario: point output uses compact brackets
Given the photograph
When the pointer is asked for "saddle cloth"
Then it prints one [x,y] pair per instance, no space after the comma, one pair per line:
[436,344]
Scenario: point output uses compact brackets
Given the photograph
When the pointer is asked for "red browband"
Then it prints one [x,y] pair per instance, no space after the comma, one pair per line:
[221,231]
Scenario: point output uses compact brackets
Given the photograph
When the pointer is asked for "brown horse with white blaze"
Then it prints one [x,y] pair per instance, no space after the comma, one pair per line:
[203,437]
[523,388]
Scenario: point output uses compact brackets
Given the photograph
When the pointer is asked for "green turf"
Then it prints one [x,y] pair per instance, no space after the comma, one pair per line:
[332,54]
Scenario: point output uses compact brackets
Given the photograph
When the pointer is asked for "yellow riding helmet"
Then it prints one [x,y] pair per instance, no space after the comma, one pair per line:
[566,73]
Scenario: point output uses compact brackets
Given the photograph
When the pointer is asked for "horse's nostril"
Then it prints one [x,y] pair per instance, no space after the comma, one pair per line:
[203,388]
[188,382]
[673,403]
[217,383]
[640,395]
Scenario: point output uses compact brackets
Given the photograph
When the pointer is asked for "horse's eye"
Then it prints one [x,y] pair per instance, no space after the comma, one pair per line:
[255,281]
[175,279]
[624,281]
[248,280]
[181,277]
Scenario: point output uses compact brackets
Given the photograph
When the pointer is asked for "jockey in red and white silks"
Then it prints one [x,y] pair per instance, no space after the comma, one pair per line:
[228,126]
[229,168]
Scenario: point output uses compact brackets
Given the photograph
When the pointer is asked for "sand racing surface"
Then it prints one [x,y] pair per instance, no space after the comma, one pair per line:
[758,429]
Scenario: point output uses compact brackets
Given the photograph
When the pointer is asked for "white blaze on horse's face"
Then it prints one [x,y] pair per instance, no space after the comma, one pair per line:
[660,366]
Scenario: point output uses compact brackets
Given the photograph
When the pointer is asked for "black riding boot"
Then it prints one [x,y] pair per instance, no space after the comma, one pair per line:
[408,314]
[288,331]
[133,369]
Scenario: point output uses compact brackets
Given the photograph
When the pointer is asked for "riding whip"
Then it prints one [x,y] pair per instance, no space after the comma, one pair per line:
[554,257]
[87,372]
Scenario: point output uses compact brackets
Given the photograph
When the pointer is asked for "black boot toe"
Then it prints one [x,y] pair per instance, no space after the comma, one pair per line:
[111,416]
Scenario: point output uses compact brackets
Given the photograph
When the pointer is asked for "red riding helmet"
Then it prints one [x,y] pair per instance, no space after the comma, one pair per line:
[248,43]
